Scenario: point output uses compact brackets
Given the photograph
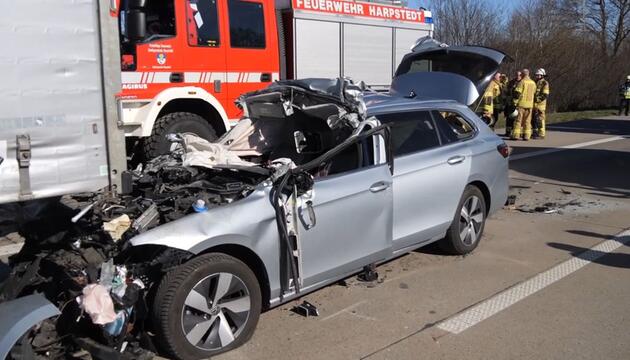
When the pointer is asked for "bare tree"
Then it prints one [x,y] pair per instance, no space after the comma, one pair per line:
[607,20]
[461,22]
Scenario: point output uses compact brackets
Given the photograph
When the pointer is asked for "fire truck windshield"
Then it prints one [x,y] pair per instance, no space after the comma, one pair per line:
[158,20]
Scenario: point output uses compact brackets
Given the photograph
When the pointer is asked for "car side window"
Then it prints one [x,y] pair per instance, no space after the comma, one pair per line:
[355,156]
[411,131]
[203,23]
[453,126]
[247,24]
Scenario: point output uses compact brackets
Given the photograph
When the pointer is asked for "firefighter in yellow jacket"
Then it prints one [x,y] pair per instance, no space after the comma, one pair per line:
[540,104]
[524,101]
[509,106]
[498,92]
[488,102]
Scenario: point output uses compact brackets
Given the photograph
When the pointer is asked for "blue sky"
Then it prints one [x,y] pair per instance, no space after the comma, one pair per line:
[511,4]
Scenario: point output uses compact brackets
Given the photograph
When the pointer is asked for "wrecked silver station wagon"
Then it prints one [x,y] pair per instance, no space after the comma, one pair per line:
[320,180]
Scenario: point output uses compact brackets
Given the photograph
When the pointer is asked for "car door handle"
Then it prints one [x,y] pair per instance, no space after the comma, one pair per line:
[456,160]
[379,186]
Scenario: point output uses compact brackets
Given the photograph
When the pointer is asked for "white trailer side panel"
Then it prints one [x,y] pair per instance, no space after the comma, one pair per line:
[52,90]
[318,49]
[367,54]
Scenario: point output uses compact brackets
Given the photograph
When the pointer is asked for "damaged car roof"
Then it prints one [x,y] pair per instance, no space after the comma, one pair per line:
[340,91]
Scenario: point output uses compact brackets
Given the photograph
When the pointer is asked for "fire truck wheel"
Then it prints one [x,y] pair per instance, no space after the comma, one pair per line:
[206,306]
[179,122]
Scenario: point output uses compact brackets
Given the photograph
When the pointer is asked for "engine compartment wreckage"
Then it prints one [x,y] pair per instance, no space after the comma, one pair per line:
[87,254]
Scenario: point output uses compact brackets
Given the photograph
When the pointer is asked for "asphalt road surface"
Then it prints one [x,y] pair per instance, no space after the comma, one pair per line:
[546,283]
[550,279]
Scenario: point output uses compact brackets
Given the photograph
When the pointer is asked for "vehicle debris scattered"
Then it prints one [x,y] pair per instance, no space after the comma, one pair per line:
[368,274]
[510,204]
[305,309]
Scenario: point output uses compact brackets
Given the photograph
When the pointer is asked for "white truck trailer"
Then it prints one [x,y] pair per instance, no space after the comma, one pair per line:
[58,108]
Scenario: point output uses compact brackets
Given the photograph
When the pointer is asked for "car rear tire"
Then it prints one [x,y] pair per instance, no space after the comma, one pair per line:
[466,230]
[178,122]
[206,306]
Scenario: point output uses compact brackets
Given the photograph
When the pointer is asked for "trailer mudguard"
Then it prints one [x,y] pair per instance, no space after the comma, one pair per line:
[19,315]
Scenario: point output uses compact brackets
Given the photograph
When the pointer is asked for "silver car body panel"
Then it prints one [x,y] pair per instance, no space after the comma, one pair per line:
[19,315]
[421,217]
[331,248]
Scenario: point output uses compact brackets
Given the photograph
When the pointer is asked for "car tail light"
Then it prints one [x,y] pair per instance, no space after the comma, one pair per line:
[504,150]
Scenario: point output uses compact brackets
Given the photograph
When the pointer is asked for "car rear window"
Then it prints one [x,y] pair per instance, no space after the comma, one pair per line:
[411,131]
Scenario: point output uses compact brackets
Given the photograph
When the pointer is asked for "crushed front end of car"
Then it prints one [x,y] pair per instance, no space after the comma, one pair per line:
[79,250]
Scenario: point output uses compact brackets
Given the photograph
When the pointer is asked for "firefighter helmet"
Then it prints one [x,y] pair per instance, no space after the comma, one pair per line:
[541,72]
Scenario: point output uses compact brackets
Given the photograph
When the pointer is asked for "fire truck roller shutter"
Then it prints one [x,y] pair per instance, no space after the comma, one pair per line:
[317,52]
[368,54]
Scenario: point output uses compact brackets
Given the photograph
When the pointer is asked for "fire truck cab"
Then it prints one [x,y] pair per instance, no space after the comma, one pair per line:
[185,62]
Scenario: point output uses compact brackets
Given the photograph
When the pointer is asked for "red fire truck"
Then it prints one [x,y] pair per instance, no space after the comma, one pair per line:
[184,62]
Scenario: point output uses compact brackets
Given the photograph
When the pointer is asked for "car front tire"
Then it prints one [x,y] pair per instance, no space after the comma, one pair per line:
[206,306]
[466,230]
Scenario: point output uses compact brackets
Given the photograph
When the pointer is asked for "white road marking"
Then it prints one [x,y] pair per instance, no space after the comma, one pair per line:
[10,249]
[511,296]
[345,310]
[566,147]
[570,128]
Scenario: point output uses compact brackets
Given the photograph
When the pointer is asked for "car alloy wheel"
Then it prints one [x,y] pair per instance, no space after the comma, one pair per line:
[471,220]
[215,311]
